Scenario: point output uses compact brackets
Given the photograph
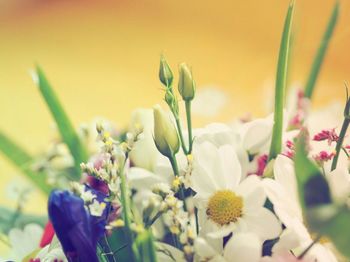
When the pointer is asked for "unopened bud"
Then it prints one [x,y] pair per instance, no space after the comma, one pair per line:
[165,134]
[187,86]
[165,73]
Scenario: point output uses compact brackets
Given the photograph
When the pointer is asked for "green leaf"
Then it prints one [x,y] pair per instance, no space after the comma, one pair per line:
[20,158]
[64,125]
[321,52]
[281,81]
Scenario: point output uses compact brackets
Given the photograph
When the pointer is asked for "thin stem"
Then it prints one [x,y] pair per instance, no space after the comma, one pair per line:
[107,251]
[154,219]
[309,247]
[340,142]
[346,153]
[197,222]
[175,167]
[126,212]
[189,125]
[179,130]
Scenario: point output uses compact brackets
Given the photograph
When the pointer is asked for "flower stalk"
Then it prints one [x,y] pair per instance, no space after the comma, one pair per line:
[343,131]
[126,212]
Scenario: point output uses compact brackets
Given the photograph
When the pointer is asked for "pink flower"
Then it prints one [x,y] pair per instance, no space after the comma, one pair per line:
[323,156]
[329,135]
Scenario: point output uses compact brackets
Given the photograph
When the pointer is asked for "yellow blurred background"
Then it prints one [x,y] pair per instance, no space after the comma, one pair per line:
[102,58]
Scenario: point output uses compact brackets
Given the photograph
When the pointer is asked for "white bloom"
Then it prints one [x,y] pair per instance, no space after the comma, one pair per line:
[97,208]
[25,241]
[225,204]
[144,146]
[87,196]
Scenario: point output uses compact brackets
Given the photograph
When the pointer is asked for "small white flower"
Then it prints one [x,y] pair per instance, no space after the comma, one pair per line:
[25,241]
[97,208]
[87,196]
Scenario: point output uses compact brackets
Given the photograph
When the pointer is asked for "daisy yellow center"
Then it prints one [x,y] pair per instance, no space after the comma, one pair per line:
[224,207]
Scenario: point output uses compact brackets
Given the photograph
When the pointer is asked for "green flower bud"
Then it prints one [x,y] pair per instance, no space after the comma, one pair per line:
[187,86]
[165,73]
[165,134]
[169,98]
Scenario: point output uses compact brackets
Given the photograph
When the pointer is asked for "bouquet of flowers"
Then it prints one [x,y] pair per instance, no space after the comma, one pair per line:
[269,189]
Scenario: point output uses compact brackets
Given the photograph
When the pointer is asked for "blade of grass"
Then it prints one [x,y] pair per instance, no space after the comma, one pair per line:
[321,52]
[281,81]
[64,125]
[20,158]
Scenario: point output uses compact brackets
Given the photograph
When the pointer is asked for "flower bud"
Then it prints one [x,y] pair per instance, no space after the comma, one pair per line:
[165,134]
[187,86]
[165,73]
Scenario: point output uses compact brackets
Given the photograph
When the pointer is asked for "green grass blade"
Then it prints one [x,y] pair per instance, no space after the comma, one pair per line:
[281,81]
[64,125]
[318,60]
[23,161]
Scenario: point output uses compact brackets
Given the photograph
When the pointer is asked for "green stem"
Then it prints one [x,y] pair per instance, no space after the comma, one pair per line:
[150,222]
[175,167]
[189,125]
[340,142]
[179,129]
[126,213]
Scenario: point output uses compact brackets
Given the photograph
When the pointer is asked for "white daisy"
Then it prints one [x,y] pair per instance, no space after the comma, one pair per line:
[226,205]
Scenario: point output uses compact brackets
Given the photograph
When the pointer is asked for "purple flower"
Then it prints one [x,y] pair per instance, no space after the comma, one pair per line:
[77,230]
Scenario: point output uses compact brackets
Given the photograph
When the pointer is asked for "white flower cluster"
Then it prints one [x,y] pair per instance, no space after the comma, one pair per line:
[245,208]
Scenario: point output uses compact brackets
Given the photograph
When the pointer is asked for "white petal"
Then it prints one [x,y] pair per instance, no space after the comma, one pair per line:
[286,208]
[26,241]
[288,240]
[231,168]
[257,133]
[284,174]
[248,185]
[254,199]
[203,249]
[205,166]
[143,179]
[264,223]
[243,247]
